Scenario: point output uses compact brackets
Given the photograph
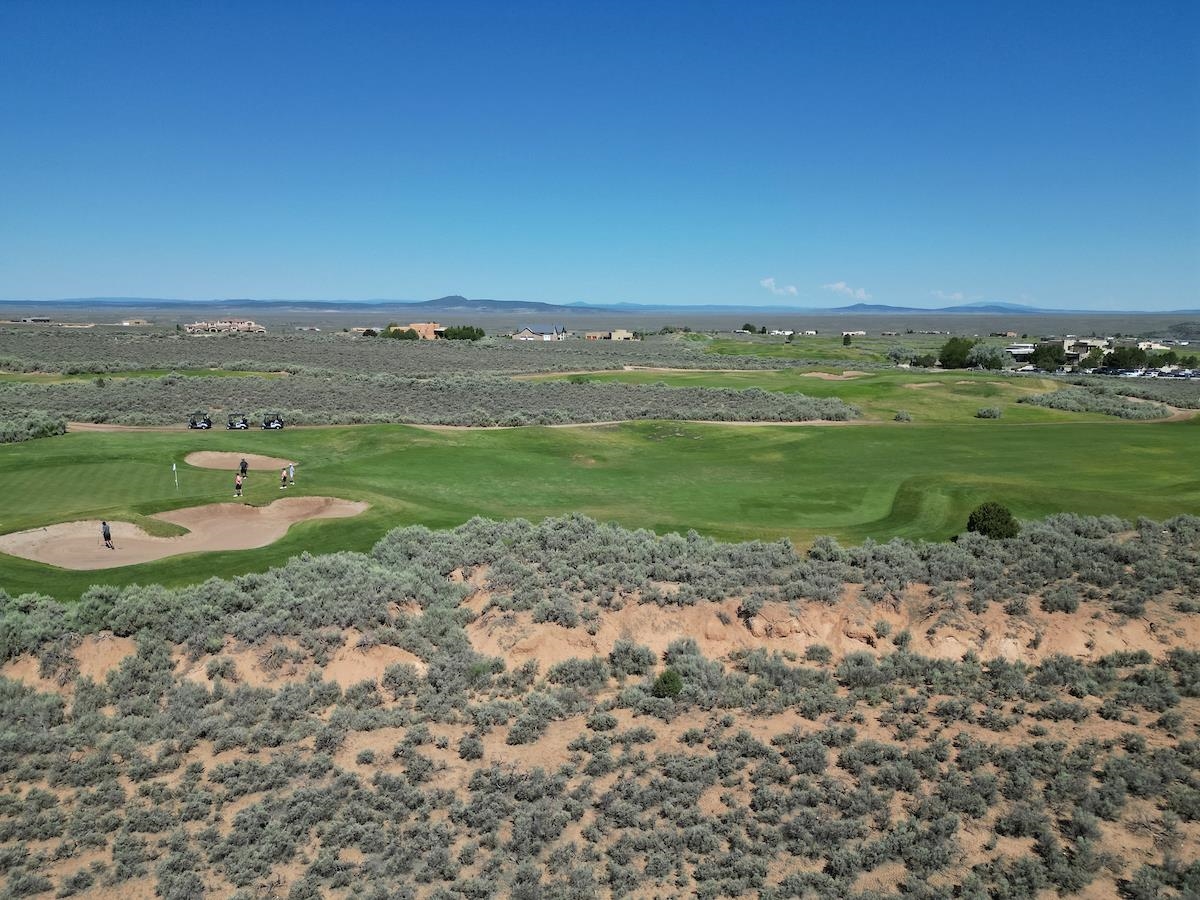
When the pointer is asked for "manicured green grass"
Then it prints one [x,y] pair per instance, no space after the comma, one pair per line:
[930,397]
[734,482]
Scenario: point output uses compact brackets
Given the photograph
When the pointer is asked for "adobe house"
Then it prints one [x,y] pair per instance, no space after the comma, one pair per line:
[426,331]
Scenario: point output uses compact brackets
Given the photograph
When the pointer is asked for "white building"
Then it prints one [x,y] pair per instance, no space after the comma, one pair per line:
[541,333]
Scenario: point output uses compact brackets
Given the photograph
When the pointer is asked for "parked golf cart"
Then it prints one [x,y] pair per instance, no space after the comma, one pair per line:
[202,421]
[237,422]
[272,422]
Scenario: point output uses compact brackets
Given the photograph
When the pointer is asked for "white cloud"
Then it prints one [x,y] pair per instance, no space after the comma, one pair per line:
[779,290]
[840,287]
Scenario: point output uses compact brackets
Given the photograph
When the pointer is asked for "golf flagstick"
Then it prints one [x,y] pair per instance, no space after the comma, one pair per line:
[175,472]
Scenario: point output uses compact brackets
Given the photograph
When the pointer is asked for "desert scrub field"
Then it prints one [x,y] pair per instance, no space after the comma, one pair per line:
[440,400]
[476,713]
[730,481]
[1100,400]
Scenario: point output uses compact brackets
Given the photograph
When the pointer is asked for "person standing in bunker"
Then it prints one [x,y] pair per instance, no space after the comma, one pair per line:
[237,485]
[106,533]
[244,467]
[283,478]
[291,473]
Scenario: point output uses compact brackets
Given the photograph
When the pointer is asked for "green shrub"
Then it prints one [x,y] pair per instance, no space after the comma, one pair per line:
[669,683]
[993,520]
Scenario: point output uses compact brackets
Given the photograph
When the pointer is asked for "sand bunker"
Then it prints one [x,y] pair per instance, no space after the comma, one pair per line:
[218,526]
[215,459]
[830,376]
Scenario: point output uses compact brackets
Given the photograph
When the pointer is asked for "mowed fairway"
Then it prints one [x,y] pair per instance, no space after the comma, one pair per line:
[736,482]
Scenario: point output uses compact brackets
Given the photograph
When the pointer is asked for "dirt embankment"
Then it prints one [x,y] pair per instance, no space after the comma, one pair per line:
[848,626]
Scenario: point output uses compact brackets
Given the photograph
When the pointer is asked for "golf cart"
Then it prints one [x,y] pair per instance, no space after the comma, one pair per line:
[202,421]
[272,422]
[237,422]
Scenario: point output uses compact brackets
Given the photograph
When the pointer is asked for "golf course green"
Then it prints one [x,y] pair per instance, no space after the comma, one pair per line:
[868,480]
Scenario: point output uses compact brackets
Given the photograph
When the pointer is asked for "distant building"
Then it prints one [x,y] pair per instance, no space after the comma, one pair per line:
[225,326]
[36,320]
[1004,334]
[620,334]
[596,336]
[135,322]
[854,334]
[541,333]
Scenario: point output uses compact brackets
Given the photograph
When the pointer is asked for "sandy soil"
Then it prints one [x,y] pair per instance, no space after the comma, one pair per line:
[218,526]
[215,459]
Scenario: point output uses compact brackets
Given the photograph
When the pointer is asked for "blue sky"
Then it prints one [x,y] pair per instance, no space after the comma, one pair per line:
[808,154]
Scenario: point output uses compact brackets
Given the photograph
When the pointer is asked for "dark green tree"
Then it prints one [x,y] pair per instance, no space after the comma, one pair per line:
[953,354]
[993,520]
[845,340]
[1126,358]
[1048,357]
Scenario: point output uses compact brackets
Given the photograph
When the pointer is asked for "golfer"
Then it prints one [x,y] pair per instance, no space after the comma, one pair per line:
[291,473]
[283,478]
[106,533]
[244,467]
[237,485]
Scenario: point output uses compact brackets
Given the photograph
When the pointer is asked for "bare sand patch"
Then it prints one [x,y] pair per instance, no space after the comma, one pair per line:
[217,526]
[216,459]
[352,664]
[99,654]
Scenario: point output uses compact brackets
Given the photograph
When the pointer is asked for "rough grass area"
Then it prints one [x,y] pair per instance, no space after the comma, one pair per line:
[443,400]
[735,482]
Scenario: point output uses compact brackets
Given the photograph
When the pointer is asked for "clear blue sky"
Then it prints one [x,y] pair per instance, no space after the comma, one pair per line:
[795,153]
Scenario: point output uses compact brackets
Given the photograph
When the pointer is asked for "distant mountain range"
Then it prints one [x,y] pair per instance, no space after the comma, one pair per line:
[458,304]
